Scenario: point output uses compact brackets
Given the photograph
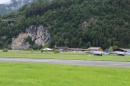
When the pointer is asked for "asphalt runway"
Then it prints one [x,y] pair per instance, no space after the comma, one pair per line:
[69,62]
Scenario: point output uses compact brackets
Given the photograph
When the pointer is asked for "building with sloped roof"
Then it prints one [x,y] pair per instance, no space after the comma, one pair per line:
[122,50]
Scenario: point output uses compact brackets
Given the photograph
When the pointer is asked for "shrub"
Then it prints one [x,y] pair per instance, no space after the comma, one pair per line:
[5,50]
[28,49]
[42,50]
[32,50]
[56,51]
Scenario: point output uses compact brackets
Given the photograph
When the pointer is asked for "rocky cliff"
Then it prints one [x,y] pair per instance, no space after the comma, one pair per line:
[39,35]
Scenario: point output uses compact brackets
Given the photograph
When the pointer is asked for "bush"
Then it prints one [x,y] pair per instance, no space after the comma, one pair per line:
[56,51]
[36,47]
[32,50]
[42,50]
[28,49]
[5,50]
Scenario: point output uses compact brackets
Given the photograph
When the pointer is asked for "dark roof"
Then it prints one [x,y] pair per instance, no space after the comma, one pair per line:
[124,49]
[77,49]
[63,48]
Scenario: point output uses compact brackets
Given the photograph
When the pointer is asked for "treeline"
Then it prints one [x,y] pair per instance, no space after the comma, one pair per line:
[75,23]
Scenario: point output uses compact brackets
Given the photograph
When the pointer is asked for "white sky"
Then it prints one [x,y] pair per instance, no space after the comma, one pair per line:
[4,1]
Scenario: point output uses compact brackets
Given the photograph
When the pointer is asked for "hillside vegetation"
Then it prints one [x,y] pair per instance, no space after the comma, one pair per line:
[74,23]
[13,5]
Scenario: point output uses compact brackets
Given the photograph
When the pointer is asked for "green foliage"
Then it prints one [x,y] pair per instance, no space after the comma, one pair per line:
[36,47]
[129,46]
[56,51]
[29,39]
[74,23]
[46,45]
[110,49]
[5,50]
[115,47]
[28,49]
[42,50]
[13,5]
[32,50]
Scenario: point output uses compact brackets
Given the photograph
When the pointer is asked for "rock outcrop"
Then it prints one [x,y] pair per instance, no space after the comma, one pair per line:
[40,35]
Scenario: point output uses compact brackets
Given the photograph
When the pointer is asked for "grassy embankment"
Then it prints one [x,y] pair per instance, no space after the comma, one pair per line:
[34,74]
[63,55]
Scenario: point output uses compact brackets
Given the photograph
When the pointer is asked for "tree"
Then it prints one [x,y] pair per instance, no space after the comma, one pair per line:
[115,47]
[107,22]
[46,45]
[110,49]
[66,42]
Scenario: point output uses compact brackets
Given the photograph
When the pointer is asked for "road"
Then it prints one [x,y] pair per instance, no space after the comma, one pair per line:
[69,62]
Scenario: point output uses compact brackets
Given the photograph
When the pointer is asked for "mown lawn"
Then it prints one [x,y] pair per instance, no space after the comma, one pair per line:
[62,55]
[36,74]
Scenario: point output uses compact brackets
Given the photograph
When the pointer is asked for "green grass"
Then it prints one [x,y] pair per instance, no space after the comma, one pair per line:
[36,74]
[63,55]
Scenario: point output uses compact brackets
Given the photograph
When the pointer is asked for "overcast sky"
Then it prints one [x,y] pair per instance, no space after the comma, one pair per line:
[4,1]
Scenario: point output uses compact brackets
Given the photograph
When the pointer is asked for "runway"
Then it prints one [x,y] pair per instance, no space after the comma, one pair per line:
[69,62]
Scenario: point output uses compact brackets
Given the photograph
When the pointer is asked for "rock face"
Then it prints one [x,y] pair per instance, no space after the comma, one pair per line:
[40,35]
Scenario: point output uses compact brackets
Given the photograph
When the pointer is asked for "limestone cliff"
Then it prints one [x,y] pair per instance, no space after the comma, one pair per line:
[40,35]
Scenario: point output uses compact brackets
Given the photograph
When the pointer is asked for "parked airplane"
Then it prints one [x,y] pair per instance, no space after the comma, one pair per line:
[98,53]
[118,53]
[127,53]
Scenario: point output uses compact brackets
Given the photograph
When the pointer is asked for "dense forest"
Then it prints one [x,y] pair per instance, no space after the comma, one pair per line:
[74,23]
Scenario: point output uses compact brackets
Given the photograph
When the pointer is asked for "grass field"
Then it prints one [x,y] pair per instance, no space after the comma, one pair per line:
[35,74]
[63,55]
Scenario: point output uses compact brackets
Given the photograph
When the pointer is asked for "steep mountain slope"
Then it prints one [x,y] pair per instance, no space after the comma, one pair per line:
[75,23]
[13,5]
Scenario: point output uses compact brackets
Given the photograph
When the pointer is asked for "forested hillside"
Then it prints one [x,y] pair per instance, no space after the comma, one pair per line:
[13,5]
[74,23]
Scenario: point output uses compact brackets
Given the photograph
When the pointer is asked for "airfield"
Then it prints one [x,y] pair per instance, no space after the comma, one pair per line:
[69,62]
[25,68]
[66,58]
